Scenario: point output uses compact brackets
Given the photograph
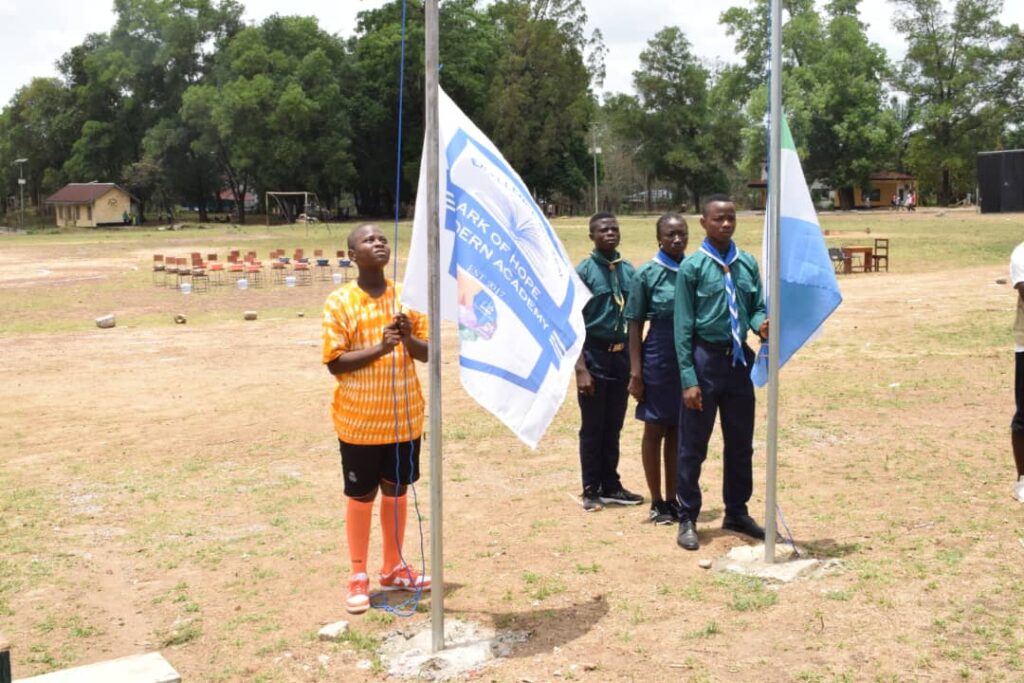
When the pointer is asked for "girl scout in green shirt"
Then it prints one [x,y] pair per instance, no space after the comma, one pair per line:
[654,371]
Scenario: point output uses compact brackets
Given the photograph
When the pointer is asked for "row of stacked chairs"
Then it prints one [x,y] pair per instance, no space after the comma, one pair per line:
[201,274]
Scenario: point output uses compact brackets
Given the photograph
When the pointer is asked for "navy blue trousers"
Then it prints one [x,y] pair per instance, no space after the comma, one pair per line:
[602,417]
[727,392]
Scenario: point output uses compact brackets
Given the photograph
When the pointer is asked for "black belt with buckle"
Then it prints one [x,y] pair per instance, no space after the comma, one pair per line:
[604,345]
[716,347]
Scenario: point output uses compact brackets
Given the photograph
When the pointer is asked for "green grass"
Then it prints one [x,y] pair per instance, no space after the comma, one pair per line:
[747,594]
[928,242]
[182,635]
[541,587]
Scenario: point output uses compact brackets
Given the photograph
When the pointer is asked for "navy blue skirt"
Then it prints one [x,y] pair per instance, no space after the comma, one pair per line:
[662,387]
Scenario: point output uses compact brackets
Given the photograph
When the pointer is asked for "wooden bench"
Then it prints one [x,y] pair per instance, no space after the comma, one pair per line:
[148,668]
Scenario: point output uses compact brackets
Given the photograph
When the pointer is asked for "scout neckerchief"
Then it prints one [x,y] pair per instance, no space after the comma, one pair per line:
[666,261]
[616,281]
[730,292]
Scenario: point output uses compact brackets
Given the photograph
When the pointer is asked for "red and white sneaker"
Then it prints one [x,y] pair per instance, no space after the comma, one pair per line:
[404,578]
[358,599]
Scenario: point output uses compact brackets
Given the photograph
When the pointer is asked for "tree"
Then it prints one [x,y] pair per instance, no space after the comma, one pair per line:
[376,63]
[676,123]
[40,124]
[130,83]
[277,119]
[624,171]
[953,76]
[469,43]
[833,91]
[849,132]
[539,106]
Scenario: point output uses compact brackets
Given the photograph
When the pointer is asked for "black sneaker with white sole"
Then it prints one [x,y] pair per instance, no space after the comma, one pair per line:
[621,497]
[591,501]
[660,514]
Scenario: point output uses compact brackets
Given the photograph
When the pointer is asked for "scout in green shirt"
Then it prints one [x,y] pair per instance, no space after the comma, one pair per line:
[654,370]
[602,370]
[718,299]
[702,309]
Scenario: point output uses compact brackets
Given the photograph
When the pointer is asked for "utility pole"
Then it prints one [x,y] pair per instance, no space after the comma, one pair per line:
[21,188]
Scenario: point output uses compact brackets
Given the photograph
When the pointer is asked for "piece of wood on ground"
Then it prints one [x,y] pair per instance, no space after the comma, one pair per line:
[148,668]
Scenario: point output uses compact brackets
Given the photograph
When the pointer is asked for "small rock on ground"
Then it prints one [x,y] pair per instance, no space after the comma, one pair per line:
[333,632]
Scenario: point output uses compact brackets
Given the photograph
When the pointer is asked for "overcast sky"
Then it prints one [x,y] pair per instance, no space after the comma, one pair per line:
[35,33]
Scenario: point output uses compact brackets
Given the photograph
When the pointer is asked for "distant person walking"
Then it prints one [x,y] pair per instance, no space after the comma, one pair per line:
[1017,424]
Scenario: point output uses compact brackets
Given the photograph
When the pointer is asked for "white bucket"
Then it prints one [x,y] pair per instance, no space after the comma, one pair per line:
[243,283]
[336,277]
[290,280]
[185,287]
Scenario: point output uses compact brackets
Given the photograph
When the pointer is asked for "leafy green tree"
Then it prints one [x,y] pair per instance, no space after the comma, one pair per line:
[469,43]
[676,120]
[131,82]
[539,106]
[374,101]
[953,76]
[833,91]
[276,120]
[40,124]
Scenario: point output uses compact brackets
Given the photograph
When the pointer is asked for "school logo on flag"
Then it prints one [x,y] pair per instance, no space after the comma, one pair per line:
[808,291]
[506,280]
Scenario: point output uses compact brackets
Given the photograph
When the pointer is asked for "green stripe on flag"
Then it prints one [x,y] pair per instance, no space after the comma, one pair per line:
[787,137]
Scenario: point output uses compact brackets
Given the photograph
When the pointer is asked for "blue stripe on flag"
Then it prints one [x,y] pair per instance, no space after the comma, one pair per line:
[808,291]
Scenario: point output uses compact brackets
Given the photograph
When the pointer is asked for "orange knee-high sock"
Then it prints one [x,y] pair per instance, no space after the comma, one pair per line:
[358,518]
[392,527]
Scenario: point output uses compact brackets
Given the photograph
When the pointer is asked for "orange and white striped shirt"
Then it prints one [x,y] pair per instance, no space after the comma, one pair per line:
[366,400]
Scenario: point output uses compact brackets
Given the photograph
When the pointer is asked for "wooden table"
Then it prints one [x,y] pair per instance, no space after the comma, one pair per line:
[865,251]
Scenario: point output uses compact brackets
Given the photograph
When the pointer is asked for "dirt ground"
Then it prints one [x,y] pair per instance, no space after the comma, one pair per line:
[176,488]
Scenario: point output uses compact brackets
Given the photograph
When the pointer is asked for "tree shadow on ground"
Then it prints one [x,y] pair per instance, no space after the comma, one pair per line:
[546,629]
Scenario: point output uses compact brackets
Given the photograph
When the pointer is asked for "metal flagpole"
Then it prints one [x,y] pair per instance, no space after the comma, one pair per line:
[434,307]
[596,150]
[774,305]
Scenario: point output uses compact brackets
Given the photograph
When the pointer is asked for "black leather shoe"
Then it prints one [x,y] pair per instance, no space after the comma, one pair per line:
[744,524]
[687,537]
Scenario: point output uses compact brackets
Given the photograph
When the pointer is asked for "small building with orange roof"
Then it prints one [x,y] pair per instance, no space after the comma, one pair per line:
[87,205]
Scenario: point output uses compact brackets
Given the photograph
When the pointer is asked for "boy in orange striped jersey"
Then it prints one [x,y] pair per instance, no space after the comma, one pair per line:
[369,347]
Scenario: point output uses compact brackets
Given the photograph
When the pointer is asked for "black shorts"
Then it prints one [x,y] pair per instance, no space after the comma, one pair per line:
[365,466]
[1017,424]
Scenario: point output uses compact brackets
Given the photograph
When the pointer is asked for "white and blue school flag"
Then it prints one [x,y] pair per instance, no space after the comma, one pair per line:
[808,291]
[506,280]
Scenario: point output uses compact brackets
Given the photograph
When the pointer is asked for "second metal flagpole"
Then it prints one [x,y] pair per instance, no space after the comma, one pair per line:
[434,306]
[774,305]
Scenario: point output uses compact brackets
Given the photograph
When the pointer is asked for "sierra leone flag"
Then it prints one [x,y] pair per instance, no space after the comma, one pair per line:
[807,281]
